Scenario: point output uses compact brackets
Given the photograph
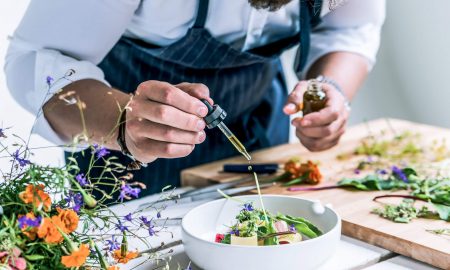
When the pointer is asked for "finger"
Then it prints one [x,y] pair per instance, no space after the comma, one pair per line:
[167,115]
[320,131]
[168,94]
[333,108]
[164,149]
[197,90]
[143,128]
[295,98]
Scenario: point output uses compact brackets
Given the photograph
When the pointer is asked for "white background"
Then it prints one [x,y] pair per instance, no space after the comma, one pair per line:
[410,80]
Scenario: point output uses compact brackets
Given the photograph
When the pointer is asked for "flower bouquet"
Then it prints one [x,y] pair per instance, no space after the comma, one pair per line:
[50,218]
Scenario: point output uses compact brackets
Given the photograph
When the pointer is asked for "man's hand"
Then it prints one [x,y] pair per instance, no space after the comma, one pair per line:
[165,121]
[321,130]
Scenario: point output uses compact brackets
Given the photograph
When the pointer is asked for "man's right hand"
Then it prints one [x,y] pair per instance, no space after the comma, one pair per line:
[165,121]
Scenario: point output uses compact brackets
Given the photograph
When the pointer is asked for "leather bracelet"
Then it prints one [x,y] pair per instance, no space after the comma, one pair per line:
[121,141]
[324,79]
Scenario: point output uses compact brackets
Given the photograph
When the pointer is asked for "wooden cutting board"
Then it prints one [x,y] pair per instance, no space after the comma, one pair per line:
[354,207]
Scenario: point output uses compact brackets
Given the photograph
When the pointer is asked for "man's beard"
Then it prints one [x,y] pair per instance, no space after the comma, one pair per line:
[271,5]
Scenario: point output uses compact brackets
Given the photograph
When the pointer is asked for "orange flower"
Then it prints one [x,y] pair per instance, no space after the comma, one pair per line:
[77,258]
[48,230]
[114,267]
[69,218]
[314,176]
[124,259]
[292,167]
[36,196]
[29,232]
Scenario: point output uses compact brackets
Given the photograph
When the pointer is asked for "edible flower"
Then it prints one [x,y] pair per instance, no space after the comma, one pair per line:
[100,151]
[12,260]
[69,218]
[49,230]
[35,195]
[248,207]
[77,258]
[81,179]
[29,225]
[124,258]
[22,161]
[399,174]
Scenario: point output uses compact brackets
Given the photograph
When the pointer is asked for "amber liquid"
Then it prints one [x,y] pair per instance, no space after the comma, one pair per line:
[240,147]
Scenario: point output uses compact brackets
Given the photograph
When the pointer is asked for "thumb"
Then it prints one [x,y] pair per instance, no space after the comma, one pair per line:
[295,99]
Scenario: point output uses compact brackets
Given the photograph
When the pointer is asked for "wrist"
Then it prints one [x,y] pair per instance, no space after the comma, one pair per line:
[122,141]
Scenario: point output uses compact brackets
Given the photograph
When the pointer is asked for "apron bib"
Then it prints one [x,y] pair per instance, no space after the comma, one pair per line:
[249,85]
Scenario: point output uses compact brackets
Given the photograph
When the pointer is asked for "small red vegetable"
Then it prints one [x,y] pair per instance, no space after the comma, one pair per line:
[219,238]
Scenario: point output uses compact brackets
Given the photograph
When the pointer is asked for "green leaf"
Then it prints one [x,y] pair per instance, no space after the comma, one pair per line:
[443,211]
[301,227]
[34,257]
[307,222]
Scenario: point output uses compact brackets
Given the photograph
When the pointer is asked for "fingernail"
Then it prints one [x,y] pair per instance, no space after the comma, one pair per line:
[291,107]
[200,124]
[202,111]
[306,123]
[201,136]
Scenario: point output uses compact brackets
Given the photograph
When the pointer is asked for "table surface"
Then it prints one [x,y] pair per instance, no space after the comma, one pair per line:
[350,254]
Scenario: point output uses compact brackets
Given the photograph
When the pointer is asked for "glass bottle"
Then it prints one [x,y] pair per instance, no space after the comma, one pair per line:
[314,99]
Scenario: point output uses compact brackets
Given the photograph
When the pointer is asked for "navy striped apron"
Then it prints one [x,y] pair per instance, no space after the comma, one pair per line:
[249,85]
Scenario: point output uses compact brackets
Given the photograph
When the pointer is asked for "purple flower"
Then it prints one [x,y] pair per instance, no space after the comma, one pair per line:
[112,244]
[81,179]
[369,159]
[397,172]
[158,215]
[357,171]
[121,227]
[382,171]
[248,207]
[22,161]
[149,224]
[100,151]
[2,133]
[235,232]
[128,217]
[126,192]
[74,201]
[292,228]
[49,80]
[30,222]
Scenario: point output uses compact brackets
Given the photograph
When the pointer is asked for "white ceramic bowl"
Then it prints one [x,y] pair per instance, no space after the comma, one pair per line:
[200,225]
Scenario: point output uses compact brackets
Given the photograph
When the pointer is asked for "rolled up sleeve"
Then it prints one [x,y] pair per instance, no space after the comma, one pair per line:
[354,27]
[57,43]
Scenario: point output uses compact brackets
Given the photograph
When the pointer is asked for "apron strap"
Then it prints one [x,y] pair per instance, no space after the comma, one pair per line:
[202,14]
[309,18]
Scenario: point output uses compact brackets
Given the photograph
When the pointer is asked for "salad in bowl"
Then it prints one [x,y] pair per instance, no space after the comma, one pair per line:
[236,233]
[256,227]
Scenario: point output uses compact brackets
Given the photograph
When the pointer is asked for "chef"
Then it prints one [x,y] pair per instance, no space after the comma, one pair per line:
[137,69]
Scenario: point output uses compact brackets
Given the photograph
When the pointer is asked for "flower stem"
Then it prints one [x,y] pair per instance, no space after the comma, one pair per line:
[312,188]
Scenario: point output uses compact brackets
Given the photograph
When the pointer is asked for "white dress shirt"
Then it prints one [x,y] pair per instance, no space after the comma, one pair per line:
[56,36]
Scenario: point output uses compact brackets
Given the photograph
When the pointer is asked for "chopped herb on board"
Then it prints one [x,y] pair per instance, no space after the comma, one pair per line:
[402,213]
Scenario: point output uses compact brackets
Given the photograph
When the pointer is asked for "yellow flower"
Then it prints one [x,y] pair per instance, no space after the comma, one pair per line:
[120,258]
[36,196]
[77,258]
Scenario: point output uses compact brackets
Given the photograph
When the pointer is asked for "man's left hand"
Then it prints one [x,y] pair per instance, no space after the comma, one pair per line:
[321,130]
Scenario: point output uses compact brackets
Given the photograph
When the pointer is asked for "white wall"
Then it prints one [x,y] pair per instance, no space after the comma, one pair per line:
[410,80]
